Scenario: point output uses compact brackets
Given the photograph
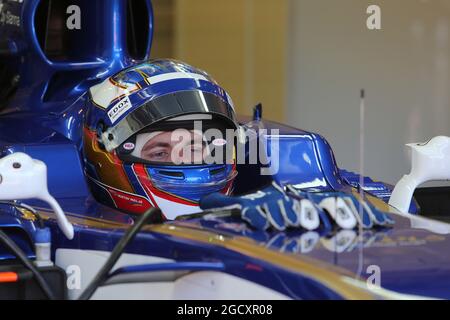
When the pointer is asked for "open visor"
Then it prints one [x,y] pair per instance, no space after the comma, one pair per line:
[177,104]
[175,142]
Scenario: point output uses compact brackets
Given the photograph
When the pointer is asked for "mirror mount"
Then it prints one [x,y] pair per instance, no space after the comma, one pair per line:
[430,161]
[22,177]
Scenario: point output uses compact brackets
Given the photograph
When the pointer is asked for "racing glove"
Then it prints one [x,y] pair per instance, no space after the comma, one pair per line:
[348,212]
[273,207]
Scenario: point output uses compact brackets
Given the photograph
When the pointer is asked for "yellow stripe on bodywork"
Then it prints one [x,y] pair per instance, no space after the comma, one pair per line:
[378,203]
[332,277]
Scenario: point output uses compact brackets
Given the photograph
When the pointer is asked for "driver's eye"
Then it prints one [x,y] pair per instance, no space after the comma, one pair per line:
[156,155]
[159,154]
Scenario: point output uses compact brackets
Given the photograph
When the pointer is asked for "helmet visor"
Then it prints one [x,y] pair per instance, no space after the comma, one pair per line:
[181,146]
[177,104]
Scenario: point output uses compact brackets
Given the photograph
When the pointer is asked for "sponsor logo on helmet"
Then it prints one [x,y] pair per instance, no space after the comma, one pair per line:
[119,109]
[129,146]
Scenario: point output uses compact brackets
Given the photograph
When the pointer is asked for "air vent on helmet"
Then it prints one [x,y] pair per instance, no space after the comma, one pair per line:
[175,174]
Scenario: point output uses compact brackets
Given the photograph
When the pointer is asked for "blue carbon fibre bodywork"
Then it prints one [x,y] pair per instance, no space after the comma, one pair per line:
[43,118]
[71,191]
[19,229]
[52,92]
[411,259]
[186,252]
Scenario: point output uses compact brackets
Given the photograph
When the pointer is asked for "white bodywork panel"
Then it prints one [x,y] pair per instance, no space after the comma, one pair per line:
[199,285]
[430,161]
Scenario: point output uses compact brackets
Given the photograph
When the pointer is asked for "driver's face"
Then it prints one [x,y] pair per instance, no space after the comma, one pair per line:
[178,146]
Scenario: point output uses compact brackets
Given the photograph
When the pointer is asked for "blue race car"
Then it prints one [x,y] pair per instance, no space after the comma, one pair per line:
[128,178]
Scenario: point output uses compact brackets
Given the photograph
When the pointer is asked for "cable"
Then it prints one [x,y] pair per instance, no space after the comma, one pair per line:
[117,252]
[14,248]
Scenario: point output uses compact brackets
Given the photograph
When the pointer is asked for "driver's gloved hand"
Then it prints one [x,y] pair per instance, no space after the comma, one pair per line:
[269,207]
[272,207]
[348,211]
